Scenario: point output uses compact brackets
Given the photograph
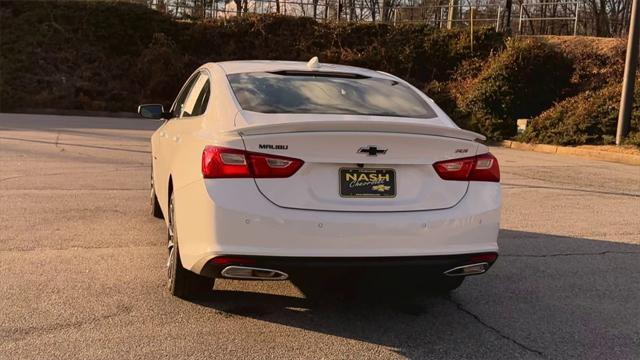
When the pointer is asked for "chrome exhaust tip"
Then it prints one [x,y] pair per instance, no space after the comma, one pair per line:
[252,273]
[472,269]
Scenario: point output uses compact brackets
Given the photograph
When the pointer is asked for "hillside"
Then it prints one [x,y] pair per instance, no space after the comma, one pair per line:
[113,56]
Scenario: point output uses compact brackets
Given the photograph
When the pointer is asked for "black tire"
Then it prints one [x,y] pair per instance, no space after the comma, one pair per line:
[156,210]
[183,283]
[446,284]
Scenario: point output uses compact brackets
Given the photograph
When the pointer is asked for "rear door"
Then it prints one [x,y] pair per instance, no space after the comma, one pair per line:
[186,135]
[165,141]
[362,171]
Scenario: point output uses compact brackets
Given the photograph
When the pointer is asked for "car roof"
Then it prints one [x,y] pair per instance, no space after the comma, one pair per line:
[245,66]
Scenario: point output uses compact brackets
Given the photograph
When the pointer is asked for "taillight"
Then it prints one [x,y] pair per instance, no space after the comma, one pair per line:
[485,257]
[476,168]
[220,162]
[232,260]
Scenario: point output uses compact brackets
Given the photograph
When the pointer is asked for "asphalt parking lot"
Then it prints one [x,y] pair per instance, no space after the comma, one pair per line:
[82,267]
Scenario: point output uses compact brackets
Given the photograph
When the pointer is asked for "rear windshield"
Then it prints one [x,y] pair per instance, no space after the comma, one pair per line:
[322,93]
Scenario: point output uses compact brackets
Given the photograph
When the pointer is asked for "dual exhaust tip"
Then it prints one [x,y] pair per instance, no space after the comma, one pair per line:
[254,273]
[471,269]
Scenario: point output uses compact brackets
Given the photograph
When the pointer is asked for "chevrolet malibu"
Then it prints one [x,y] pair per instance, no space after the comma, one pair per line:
[269,170]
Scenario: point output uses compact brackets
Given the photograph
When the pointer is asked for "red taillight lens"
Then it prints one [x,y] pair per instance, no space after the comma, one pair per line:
[476,168]
[486,257]
[269,166]
[458,169]
[486,169]
[220,162]
[231,260]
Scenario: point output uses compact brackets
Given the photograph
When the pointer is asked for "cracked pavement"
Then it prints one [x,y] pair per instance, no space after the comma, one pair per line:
[83,267]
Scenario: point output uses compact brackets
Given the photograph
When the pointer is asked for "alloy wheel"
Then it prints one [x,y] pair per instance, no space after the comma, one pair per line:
[171,248]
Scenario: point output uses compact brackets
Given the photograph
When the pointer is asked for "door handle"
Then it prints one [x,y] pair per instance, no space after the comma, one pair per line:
[176,138]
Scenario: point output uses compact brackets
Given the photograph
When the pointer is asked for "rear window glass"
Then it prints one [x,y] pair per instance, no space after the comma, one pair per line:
[325,94]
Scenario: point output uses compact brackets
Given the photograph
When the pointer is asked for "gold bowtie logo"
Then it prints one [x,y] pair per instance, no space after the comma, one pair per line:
[380,188]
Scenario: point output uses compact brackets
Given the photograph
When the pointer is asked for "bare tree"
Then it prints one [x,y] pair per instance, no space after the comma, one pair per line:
[373,8]
[600,17]
[238,7]
[596,17]
[388,8]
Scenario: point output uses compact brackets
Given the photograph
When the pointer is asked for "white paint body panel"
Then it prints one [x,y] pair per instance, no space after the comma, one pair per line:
[225,216]
[296,216]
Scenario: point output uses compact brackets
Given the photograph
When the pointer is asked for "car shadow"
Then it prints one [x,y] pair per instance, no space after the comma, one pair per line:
[515,310]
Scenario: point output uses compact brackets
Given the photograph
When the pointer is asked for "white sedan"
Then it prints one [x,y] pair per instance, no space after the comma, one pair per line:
[268,170]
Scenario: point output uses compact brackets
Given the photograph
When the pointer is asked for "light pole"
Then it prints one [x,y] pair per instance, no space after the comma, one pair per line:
[631,63]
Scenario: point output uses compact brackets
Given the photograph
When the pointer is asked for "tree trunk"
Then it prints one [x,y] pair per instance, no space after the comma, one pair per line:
[507,8]
[603,19]
[387,8]
[352,10]
[326,10]
[374,8]
[315,9]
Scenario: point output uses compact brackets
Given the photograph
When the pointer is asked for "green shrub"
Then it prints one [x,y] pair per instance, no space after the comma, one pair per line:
[588,118]
[598,62]
[159,67]
[380,47]
[520,82]
[73,55]
[443,94]
[633,138]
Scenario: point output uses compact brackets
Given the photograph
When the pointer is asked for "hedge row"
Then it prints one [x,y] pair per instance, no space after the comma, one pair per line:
[522,81]
[588,118]
[112,56]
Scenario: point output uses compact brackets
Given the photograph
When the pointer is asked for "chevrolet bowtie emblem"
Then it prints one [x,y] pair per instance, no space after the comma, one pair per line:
[380,188]
[371,150]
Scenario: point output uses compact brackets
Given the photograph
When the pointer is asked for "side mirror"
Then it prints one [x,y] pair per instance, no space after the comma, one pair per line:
[153,111]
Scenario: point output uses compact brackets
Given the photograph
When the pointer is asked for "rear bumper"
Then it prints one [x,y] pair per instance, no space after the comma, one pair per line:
[230,217]
[303,266]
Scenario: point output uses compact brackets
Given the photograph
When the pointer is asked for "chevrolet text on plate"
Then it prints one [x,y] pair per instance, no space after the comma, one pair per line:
[270,170]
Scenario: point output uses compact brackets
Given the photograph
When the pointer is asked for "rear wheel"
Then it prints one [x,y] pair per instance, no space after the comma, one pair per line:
[155,211]
[182,282]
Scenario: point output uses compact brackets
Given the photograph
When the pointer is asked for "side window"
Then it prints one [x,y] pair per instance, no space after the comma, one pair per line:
[203,100]
[196,102]
[182,96]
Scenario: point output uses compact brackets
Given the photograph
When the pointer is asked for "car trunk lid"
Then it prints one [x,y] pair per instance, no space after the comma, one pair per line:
[361,165]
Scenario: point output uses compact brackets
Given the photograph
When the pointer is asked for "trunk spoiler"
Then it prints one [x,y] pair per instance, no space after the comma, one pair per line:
[360,126]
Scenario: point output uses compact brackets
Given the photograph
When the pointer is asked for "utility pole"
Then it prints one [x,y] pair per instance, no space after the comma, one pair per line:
[631,63]
[471,26]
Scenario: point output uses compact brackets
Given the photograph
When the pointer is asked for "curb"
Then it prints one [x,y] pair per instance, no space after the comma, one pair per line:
[629,159]
[70,112]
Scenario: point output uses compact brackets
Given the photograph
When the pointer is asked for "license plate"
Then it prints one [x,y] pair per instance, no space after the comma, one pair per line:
[360,182]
